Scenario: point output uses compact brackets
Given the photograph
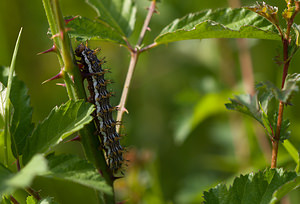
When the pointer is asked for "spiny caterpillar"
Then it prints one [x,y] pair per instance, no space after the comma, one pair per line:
[99,96]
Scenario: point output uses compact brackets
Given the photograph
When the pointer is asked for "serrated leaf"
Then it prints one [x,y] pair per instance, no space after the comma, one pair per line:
[9,181]
[264,96]
[266,122]
[86,29]
[265,10]
[214,195]
[119,15]
[21,126]
[220,23]
[74,169]
[31,200]
[246,104]
[287,92]
[285,124]
[250,188]
[61,122]
[285,189]
[290,87]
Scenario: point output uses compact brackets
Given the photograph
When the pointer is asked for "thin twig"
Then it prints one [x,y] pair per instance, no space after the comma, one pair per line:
[33,193]
[121,106]
[146,22]
[134,57]
[286,60]
[148,47]
[18,164]
[13,200]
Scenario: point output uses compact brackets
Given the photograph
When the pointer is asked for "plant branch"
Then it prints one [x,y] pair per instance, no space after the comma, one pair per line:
[13,200]
[134,53]
[286,60]
[146,22]
[148,47]
[75,89]
[121,106]
[33,193]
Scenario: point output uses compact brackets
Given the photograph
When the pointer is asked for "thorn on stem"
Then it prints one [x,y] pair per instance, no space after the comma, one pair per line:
[70,19]
[58,76]
[52,49]
[72,78]
[61,84]
[123,109]
[77,138]
[60,34]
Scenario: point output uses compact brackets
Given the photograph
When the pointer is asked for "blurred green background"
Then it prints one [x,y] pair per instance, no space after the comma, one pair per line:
[180,137]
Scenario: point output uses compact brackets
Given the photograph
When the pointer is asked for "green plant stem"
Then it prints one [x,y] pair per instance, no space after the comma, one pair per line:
[93,152]
[52,24]
[70,70]
[134,53]
[73,80]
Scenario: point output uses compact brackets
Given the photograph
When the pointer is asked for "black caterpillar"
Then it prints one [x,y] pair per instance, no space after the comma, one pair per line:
[99,96]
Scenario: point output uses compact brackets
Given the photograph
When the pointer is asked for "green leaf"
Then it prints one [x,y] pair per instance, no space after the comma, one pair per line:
[61,122]
[290,87]
[85,29]
[47,200]
[21,126]
[264,96]
[250,188]
[5,200]
[293,152]
[119,15]
[2,105]
[7,113]
[265,10]
[294,44]
[246,104]
[74,169]
[287,92]
[208,105]
[257,106]
[220,23]
[266,122]
[285,189]
[31,200]
[9,181]
[5,175]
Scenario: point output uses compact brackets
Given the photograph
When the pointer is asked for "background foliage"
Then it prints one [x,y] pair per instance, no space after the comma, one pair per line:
[171,162]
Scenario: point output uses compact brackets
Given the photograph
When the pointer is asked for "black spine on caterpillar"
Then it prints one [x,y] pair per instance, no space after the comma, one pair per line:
[99,96]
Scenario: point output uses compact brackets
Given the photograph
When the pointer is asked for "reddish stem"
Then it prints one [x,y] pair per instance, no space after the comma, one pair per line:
[13,200]
[33,193]
[286,60]
[276,138]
